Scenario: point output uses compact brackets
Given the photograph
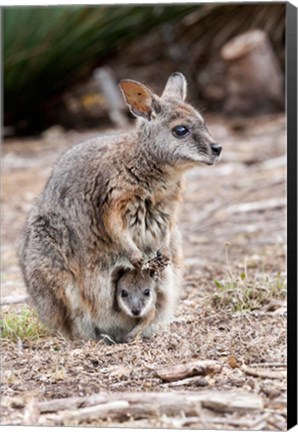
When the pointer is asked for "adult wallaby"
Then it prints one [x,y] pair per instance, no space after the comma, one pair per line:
[110,202]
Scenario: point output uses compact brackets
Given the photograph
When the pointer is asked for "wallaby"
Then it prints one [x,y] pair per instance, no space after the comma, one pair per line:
[112,201]
[137,296]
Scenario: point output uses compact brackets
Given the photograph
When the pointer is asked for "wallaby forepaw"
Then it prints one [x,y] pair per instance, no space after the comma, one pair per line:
[137,259]
[163,257]
[158,263]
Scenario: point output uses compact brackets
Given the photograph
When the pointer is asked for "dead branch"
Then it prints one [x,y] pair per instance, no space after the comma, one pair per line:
[8,300]
[244,423]
[167,402]
[200,367]
[126,406]
[277,421]
[90,413]
[262,373]
[232,401]
[275,365]
[193,381]
[121,406]
[105,78]
[71,403]
[275,304]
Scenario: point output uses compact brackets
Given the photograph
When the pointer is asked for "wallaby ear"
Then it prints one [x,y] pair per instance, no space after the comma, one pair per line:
[141,101]
[176,86]
[117,273]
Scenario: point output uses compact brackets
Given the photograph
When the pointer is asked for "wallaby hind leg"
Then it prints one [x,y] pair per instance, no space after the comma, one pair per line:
[46,289]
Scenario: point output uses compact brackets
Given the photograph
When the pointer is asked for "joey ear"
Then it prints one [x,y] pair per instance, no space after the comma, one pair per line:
[176,86]
[141,101]
[116,306]
[117,273]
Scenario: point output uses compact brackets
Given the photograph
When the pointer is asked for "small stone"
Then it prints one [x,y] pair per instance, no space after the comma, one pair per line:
[270,391]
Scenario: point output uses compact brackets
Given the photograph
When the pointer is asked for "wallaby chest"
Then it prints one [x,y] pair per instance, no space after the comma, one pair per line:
[149,218]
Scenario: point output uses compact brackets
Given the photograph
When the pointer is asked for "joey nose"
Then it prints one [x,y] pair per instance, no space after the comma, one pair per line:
[216,149]
[135,311]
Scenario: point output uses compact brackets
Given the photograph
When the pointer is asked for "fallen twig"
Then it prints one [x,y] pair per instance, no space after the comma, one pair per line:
[262,373]
[122,406]
[232,401]
[244,423]
[275,365]
[105,78]
[193,381]
[142,405]
[90,413]
[178,372]
[14,299]
[277,421]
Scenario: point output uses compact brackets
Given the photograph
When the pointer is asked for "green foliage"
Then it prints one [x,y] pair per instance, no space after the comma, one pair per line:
[23,325]
[47,48]
[242,293]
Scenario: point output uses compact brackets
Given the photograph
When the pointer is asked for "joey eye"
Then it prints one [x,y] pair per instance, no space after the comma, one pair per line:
[180,131]
[147,292]
[124,293]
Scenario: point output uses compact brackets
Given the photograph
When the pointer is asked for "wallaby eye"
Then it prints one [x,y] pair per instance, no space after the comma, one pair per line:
[124,293]
[147,292]
[180,131]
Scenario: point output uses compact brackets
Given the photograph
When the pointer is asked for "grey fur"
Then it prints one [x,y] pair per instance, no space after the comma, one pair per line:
[112,201]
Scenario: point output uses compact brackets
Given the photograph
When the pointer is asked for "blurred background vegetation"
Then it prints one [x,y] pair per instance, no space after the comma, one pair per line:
[50,54]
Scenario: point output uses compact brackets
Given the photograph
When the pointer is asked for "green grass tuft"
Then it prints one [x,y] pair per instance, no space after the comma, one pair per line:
[21,325]
[242,293]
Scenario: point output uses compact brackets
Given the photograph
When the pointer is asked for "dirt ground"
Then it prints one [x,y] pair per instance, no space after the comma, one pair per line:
[233,222]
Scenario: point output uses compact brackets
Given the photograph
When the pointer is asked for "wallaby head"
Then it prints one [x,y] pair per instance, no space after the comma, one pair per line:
[135,291]
[172,130]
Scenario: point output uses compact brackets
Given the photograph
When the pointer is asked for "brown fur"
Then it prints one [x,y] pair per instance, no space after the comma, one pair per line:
[134,283]
[109,202]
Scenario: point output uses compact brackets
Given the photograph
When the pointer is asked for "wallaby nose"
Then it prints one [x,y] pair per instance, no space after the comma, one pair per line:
[216,149]
[136,311]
